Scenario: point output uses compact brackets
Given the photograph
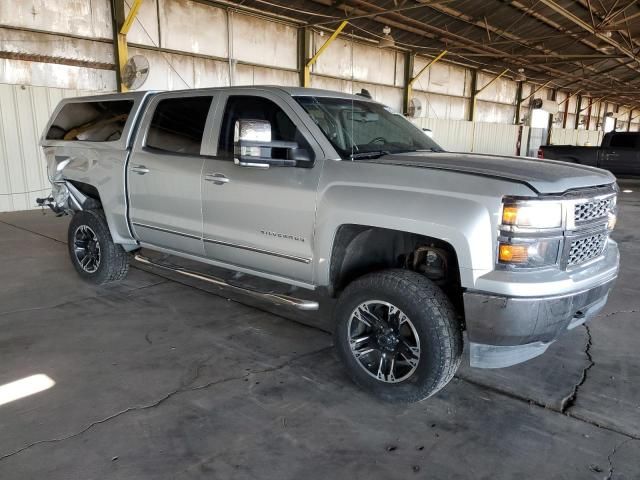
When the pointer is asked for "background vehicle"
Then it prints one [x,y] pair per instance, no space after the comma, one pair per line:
[619,153]
[335,195]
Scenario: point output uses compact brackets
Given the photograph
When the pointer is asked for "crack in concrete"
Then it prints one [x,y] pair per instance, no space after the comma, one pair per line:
[182,389]
[611,314]
[81,299]
[569,401]
[610,457]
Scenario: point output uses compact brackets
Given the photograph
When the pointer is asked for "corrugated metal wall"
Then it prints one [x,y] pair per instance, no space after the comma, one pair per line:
[569,136]
[24,113]
[465,136]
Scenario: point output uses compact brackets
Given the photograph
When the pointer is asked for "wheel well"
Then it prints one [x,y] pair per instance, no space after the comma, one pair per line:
[91,192]
[360,249]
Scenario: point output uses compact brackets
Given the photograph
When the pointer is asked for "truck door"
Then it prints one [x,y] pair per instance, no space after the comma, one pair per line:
[257,217]
[622,154]
[164,172]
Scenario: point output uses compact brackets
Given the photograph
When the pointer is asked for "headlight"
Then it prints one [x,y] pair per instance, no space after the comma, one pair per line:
[532,214]
[528,253]
[523,223]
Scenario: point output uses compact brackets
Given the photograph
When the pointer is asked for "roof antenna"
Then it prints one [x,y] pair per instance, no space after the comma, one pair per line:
[364,93]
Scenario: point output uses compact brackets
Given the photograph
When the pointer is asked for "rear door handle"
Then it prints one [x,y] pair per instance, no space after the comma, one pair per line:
[139,169]
[216,178]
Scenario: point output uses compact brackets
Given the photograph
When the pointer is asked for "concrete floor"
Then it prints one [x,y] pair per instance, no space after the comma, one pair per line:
[160,379]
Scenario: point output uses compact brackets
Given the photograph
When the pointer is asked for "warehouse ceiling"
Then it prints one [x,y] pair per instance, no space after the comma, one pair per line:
[586,45]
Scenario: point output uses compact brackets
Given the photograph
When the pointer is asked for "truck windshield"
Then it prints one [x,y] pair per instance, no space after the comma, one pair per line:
[361,129]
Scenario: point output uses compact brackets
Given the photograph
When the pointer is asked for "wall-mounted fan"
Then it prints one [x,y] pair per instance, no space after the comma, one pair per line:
[417,108]
[135,72]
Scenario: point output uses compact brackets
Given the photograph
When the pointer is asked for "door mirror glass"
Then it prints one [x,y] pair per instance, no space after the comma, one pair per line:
[254,147]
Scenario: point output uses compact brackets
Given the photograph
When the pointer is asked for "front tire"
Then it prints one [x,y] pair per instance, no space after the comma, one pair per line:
[93,253]
[398,335]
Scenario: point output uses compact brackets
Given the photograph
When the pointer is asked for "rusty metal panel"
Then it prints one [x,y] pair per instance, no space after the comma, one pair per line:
[502,90]
[264,42]
[389,96]
[87,18]
[346,59]
[252,75]
[145,28]
[54,75]
[193,27]
[167,71]
[443,78]
[23,116]
[495,112]
[48,45]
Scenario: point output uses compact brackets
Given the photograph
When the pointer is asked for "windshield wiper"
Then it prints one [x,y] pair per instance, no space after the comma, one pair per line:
[432,149]
[371,154]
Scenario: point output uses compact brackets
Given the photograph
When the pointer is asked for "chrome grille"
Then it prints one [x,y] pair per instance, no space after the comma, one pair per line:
[586,248]
[593,209]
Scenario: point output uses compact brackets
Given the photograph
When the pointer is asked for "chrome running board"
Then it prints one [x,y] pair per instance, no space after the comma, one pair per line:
[275,298]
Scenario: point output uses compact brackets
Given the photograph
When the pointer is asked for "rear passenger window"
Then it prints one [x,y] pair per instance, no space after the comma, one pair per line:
[624,140]
[178,124]
[91,121]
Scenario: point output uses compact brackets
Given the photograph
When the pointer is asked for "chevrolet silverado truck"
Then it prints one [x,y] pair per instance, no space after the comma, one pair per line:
[619,153]
[336,197]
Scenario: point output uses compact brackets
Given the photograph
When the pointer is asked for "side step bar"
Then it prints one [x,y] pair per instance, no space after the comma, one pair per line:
[275,298]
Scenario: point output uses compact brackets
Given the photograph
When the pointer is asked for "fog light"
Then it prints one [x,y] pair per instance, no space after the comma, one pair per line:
[513,253]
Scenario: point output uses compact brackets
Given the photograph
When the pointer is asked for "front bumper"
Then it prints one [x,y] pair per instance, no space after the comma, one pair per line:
[504,330]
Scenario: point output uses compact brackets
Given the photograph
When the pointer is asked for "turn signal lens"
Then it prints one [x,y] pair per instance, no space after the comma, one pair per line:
[509,215]
[513,253]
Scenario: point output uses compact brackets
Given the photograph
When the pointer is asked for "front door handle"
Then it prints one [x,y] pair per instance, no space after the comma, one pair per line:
[140,169]
[216,178]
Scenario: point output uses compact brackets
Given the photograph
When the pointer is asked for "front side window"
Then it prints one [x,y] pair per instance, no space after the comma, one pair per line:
[178,125]
[364,129]
[283,129]
[91,121]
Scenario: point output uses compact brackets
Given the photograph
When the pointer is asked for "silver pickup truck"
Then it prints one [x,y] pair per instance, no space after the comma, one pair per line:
[418,250]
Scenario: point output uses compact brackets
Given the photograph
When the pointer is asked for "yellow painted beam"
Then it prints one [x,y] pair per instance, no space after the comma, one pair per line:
[424,69]
[570,97]
[492,81]
[325,45]
[121,42]
[536,91]
[478,92]
[126,26]
[428,66]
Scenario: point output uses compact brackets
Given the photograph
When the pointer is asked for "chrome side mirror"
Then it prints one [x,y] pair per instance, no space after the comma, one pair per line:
[253,146]
[250,130]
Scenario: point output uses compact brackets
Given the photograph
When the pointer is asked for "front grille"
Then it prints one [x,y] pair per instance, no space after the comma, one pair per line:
[593,209]
[587,248]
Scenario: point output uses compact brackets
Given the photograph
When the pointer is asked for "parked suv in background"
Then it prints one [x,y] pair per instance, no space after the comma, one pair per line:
[335,194]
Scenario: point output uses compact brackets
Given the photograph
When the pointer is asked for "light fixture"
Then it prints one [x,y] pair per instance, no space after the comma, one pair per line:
[387,40]
[520,76]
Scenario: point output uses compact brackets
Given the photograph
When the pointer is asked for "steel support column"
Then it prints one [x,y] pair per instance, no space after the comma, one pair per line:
[121,26]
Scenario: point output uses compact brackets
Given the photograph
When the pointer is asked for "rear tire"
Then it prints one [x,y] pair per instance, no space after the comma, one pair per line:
[93,253]
[409,345]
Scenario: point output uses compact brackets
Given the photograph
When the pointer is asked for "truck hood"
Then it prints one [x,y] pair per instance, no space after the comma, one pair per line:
[542,176]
